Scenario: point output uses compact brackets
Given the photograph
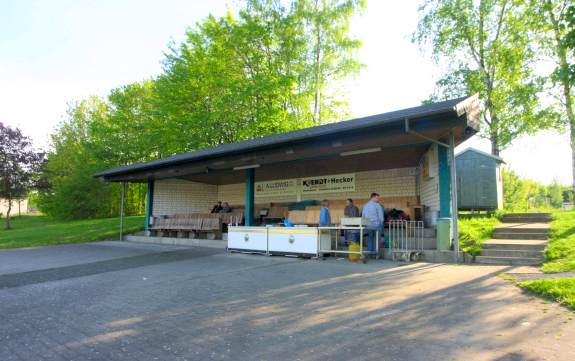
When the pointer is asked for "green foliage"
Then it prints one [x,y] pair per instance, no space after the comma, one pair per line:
[555,21]
[568,41]
[271,69]
[561,290]
[514,192]
[555,191]
[560,253]
[473,231]
[34,231]
[526,194]
[488,50]
[80,152]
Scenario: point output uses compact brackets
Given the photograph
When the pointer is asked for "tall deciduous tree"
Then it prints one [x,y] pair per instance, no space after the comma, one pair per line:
[557,27]
[232,78]
[270,69]
[19,166]
[488,48]
[330,54]
[86,142]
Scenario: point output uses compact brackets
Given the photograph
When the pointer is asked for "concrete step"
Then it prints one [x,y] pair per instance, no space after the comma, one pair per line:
[523,227]
[498,252]
[527,217]
[518,245]
[429,232]
[513,235]
[526,220]
[512,261]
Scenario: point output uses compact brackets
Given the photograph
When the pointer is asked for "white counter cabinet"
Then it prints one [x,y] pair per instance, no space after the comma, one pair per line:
[277,240]
[249,239]
[293,240]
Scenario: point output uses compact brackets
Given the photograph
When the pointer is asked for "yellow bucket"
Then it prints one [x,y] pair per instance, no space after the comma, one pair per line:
[353,247]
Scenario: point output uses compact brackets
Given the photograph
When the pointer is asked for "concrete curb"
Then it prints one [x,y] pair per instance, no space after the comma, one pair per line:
[178,241]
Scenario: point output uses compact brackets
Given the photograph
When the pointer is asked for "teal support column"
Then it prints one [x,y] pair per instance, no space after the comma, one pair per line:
[444,182]
[250,190]
[149,204]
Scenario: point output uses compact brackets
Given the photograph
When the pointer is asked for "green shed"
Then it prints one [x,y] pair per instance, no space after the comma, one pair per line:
[479,183]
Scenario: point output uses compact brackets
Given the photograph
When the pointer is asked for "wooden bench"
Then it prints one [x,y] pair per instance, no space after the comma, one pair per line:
[193,225]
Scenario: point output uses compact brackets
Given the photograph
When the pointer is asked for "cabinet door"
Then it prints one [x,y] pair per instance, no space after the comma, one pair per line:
[249,239]
[293,241]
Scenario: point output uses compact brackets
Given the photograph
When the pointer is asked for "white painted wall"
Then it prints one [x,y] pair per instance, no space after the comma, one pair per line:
[429,186]
[180,196]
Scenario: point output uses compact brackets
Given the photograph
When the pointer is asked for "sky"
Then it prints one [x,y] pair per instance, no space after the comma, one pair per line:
[55,52]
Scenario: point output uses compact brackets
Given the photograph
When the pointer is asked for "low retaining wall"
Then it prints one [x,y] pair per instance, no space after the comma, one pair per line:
[179,241]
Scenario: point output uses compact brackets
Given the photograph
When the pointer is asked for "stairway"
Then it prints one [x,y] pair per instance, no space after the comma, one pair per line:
[520,240]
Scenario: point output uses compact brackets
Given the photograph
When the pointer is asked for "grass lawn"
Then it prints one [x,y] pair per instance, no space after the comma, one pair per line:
[473,231]
[30,231]
[560,254]
[561,290]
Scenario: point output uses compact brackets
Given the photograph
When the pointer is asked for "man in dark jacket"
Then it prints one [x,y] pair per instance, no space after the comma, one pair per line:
[350,209]
[217,208]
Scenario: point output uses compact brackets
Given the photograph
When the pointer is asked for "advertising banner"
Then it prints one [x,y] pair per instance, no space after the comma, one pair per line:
[284,187]
[328,184]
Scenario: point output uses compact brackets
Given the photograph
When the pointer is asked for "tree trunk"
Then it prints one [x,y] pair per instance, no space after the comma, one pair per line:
[571,118]
[493,125]
[573,154]
[494,145]
[564,66]
[561,53]
[8,213]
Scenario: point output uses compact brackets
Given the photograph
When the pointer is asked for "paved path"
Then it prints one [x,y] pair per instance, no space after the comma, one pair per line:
[142,302]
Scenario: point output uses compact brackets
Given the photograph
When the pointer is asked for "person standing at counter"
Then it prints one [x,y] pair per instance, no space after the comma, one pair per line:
[351,211]
[373,212]
[324,216]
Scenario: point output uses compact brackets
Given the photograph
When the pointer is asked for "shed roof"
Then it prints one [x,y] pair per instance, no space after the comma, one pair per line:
[427,117]
[477,151]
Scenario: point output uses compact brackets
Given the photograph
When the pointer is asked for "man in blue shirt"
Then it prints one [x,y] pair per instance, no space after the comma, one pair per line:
[374,213]
[324,216]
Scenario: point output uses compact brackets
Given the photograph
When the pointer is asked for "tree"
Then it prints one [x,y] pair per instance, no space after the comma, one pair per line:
[514,192]
[271,69]
[19,166]
[569,39]
[557,33]
[232,78]
[330,56]
[488,47]
[82,147]
[555,191]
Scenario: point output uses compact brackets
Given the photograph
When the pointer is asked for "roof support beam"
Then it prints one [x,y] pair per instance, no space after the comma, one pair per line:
[409,131]
[149,205]
[454,198]
[250,190]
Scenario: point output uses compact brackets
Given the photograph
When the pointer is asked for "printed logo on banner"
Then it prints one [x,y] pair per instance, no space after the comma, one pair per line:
[329,183]
[282,187]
